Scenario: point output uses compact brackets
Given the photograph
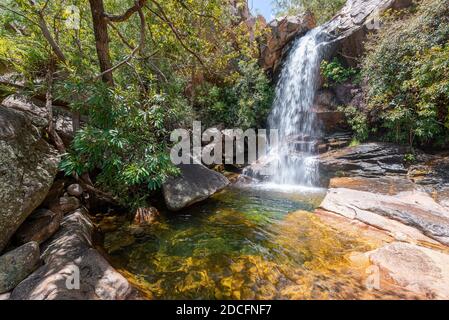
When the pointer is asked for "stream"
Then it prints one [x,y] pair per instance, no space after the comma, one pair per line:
[247,242]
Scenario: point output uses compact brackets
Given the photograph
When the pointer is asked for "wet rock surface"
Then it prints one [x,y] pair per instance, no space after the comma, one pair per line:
[365,160]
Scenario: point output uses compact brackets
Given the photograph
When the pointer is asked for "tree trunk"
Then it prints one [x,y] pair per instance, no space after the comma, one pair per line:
[100,26]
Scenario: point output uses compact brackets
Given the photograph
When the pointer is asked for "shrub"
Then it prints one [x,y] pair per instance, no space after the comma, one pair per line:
[335,73]
[406,70]
[243,102]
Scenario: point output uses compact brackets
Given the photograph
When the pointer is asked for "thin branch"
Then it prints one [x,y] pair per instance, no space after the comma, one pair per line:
[19,14]
[120,35]
[164,18]
[47,34]
[49,106]
[125,16]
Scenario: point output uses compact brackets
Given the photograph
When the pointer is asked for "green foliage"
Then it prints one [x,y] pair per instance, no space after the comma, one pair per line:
[244,102]
[336,73]
[410,158]
[323,10]
[407,73]
[358,121]
[126,141]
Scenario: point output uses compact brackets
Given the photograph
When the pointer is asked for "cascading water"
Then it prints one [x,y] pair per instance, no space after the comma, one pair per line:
[292,156]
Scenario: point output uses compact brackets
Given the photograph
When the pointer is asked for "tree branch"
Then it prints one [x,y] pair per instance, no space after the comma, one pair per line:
[125,16]
[47,34]
[135,50]
[164,18]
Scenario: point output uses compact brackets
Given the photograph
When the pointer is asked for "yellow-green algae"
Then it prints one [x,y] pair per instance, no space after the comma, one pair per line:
[242,244]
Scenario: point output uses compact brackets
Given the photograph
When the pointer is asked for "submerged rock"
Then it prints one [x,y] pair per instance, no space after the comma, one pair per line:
[16,265]
[418,269]
[196,183]
[28,165]
[146,215]
[70,256]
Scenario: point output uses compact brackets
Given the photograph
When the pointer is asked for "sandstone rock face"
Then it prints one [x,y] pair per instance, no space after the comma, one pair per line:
[413,214]
[69,252]
[16,265]
[355,21]
[39,226]
[28,165]
[415,268]
[365,160]
[196,183]
[283,31]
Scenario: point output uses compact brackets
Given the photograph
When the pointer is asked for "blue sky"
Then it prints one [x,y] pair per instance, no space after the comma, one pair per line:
[264,7]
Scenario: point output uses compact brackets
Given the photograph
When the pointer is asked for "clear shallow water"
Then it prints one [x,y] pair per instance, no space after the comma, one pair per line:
[244,243]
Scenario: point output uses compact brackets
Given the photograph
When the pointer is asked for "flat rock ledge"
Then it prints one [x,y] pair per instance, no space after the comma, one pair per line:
[70,256]
[410,215]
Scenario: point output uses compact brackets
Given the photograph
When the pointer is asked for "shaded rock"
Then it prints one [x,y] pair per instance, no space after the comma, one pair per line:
[413,214]
[146,215]
[75,190]
[70,251]
[36,111]
[16,265]
[55,192]
[418,269]
[434,172]
[331,120]
[196,183]
[283,31]
[68,204]
[39,226]
[28,165]
[365,160]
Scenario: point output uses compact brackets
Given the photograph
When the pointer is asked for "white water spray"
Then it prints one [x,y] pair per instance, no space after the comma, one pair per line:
[293,116]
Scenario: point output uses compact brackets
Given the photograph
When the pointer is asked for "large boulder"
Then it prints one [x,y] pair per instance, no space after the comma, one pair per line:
[28,165]
[351,26]
[414,214]
[283,31]
[195,183]
[71,251]
[36,111]
[16,265]
[418,269]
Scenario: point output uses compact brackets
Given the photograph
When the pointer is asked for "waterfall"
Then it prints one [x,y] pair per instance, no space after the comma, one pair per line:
[298,129]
